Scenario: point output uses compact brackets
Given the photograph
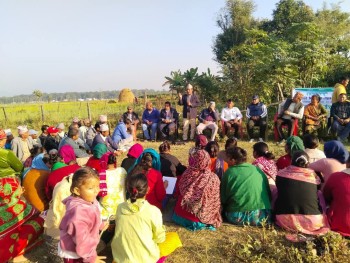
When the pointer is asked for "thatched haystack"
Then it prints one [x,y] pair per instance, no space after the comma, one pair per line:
[126,95]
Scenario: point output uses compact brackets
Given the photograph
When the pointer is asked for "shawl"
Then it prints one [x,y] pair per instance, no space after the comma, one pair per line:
[267,166]
[99,150]
[300,174]
[200,188]
[155,159]
[57,165]
[67,153]
[135,150]
[13,211]
[102,174]
[295,144]
[336,150]
[37,164]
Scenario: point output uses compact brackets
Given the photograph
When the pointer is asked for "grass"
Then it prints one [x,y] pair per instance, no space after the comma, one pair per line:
[231,243]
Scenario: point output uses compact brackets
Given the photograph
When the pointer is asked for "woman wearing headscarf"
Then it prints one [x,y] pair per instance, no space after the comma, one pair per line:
[94,161]
[293,143]
[34,182]
[245,192]
[297,206]
[10,165]
[198,191]
[336,155]
[20,223]
[134,153]
[148,163]
[67,153]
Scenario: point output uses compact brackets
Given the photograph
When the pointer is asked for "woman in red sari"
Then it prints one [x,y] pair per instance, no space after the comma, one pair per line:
[20,224]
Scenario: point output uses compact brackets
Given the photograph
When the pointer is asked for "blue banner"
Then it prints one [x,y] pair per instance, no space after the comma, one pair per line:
[325,94]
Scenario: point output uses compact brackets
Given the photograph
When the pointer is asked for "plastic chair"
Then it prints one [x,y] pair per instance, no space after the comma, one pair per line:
[275,132]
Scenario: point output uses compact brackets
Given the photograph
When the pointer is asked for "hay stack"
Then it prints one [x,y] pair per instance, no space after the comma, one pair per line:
[126,95]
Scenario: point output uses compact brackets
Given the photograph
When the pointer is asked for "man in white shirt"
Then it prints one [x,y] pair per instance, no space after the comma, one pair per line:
[290,112]
[232,118]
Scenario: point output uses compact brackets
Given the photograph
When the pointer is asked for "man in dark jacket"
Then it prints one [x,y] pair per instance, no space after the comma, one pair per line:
[290,112]
[134,118]
[256,115]
[190,104]
[168,119]
[340,112]
[208,119]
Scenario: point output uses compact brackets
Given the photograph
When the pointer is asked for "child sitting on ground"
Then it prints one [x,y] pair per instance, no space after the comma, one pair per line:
[139,225]
[79,229]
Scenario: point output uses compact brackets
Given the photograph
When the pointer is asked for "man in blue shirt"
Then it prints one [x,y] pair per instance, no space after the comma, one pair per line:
[150,118]
[121,136]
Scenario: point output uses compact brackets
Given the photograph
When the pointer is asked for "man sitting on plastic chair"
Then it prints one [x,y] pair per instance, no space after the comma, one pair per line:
[208,119]
[231,117]
[290,111]
[340,112]
[169,118]
[256,115]
[150,119]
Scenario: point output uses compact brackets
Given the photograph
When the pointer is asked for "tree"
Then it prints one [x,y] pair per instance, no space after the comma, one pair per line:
[38,94]
[233,20]
[175,82]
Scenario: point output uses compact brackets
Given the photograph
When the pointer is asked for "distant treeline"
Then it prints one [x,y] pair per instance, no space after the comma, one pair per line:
[72,96]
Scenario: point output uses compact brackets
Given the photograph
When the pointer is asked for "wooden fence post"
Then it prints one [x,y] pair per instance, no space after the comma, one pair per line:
[42,113]
[3,109]
[88,110]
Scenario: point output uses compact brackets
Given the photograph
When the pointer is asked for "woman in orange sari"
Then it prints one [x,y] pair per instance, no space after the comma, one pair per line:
[315,117]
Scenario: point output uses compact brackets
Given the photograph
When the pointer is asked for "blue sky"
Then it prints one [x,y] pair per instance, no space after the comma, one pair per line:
[85,45]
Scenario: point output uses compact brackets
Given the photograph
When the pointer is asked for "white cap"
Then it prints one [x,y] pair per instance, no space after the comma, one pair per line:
[22,129]
[60,126]
[8,132]
[32,132]
[103,118]
[104,127]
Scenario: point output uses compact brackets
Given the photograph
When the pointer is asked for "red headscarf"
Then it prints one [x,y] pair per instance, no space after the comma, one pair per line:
[200,188]
[135,150]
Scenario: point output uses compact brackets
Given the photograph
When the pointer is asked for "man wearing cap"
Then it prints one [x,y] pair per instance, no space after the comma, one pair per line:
[289,112]
[168,119]
[134,118]
[102,119]
[84,128]
[9,138]
[22,144]
[51,141]
[150,118]
[103,137]
[34,134]
[208,120]
[190,103]
[60,127]
[231,117]
[256,116]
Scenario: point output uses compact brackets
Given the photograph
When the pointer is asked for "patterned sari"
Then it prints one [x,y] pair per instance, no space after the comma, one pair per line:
[20,224]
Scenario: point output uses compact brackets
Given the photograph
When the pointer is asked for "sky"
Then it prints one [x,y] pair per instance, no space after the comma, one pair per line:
[90,45]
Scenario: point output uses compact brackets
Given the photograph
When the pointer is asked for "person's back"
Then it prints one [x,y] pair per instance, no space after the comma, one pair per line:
[337,194]
[244,193]
[139,225]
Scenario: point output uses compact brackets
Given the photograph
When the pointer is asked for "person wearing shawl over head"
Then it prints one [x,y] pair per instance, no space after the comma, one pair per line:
[245,192]
[337,156]
[298,207]
[198,191]
[94,161]
[149,164]
[10,165]
[67,154]
[293,143]
[34,182]
[112,192]
[134,153]
[20,224]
